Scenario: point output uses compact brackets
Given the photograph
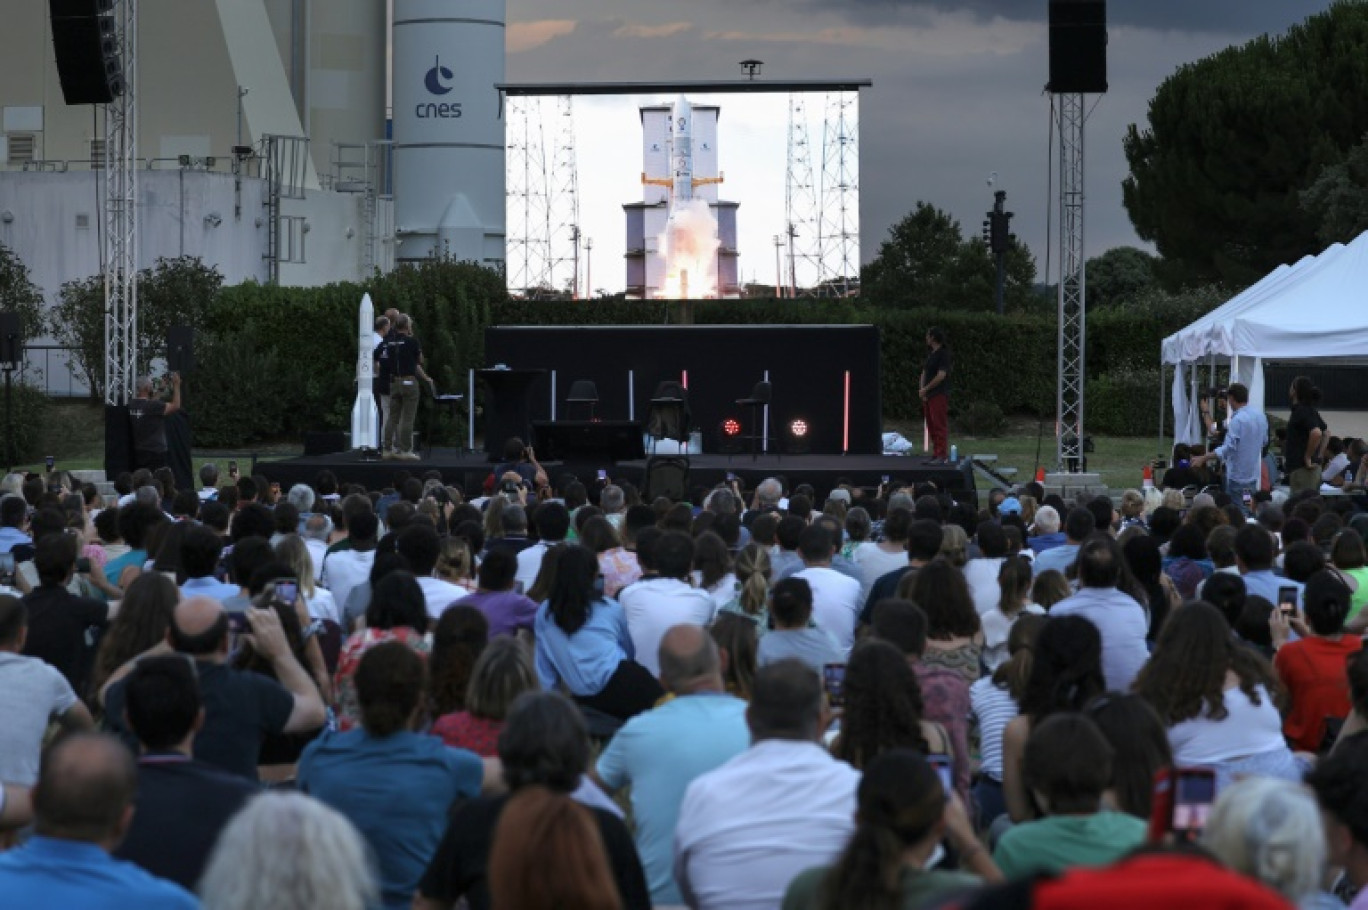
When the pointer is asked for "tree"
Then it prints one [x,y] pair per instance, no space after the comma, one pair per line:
[1338,200]
[927,262]
[1233,140]
[173,292]
[1119,275]
[18,294]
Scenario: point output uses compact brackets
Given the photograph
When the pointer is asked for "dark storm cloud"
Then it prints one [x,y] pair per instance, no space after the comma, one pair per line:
[1224,16]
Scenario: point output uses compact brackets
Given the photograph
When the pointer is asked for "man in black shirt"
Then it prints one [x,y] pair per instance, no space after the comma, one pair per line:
[59,620]
[165,711]
[935,394]
[149,415]
[404,356]
[1306,441]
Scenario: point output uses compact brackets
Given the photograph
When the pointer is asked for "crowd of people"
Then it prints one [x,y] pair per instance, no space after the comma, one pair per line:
[546,695]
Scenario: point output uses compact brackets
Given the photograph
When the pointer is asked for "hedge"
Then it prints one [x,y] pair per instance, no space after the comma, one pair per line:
[30,406]
[281,361]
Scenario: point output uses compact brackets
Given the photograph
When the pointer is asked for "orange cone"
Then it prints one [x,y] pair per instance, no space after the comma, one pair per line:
[1147,478]
[1040,475]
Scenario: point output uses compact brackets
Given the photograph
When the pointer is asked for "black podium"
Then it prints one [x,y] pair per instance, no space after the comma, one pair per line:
[508,409]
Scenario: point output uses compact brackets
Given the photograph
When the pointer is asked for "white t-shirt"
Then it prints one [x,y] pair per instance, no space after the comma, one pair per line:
[440,594]
[322,605]
[530,563]
[654,605]
[722,593]
[991,708]
[1247,729]
[31,694]
[836,602]
[874,562]
[996,627]
[981,575]
[344,570]
[747,829]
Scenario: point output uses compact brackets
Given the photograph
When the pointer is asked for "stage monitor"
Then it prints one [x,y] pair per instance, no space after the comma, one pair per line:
[674,191]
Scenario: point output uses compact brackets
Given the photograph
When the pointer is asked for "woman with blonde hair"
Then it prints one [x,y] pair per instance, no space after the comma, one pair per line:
[752,568]
[955,546]
[456,564]
[292,551]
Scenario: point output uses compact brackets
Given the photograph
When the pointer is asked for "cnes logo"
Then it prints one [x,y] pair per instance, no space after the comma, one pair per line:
[438,82]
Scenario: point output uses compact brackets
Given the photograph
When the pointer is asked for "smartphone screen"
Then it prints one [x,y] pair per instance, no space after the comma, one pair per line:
[287,590]
[731,478]
[885,478]
[232,467]
[1287,598]
[1193,793]
[946,769]
[833,680]
[237,623]
[602,475]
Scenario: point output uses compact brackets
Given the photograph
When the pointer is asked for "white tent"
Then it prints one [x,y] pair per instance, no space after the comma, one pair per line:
[1316,309]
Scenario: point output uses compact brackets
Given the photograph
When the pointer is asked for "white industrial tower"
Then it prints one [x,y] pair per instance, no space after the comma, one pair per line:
[822,217]
[543,192]
[802,217]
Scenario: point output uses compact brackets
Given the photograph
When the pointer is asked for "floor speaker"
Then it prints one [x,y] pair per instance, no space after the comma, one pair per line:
[668,476]
[1078,46]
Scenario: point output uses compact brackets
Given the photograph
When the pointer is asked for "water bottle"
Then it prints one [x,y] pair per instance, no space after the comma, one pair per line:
[954,454]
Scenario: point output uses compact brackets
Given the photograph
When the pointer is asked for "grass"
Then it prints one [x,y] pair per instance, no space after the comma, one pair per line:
[74,435]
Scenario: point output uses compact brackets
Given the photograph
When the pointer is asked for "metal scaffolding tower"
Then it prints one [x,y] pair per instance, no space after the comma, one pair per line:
[529,225]
[121,215]
[1070,117]
[840,232]
[563,203]
[802,218]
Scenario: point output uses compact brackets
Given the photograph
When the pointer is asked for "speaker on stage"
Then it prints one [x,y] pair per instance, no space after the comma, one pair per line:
[87,50]
[668,476]
[180,349]
[1078,46]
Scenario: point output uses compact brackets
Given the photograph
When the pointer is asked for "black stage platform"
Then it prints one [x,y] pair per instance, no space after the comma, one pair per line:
[470,471]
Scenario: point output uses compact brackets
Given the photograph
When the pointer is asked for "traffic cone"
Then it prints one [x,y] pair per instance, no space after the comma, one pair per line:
[1147,478]
[1040,475]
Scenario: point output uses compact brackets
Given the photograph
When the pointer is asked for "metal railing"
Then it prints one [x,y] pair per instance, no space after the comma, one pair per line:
[53,368]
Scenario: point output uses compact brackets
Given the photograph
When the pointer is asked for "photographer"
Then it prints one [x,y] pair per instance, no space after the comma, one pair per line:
[1242,451]
[148,413]
[521,460]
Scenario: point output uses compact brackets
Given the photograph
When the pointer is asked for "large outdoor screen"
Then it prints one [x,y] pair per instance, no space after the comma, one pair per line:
[681,194]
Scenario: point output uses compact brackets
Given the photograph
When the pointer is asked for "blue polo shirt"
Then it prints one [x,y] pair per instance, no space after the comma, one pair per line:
[209,587]
[660,753]
[397,791]
[48,872]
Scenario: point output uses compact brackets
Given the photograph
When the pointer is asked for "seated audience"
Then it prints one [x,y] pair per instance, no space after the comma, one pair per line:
[502,672]
[793,635]
[1312,669]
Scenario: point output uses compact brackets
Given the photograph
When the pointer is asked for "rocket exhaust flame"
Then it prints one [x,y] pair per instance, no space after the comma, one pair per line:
[690,246]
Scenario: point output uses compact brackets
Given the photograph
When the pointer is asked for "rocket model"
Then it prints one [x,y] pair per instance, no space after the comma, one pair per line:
[686,246]
[363,429]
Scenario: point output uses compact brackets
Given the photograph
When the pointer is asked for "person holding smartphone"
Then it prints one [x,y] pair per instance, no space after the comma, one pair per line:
[1312,668]
[148,413]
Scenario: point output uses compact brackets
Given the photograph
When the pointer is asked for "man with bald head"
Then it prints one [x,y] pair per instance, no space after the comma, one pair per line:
[84,803]
[148,412]
[240,707]
[659,753]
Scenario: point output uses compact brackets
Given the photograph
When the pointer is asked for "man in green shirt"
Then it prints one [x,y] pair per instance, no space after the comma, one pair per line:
[1068,766]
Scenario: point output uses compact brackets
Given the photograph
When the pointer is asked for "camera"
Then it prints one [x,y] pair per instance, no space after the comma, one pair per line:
[510,488]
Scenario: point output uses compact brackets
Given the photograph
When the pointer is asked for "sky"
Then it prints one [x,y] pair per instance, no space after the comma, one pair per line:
[957,94]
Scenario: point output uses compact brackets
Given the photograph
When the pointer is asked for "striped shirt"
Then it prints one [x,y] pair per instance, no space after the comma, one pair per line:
[991,708]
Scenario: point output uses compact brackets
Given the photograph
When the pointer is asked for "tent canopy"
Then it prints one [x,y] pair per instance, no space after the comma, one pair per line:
[1315,309]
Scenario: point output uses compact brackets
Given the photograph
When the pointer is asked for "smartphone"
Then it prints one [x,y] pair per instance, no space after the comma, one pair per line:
[6,568]
[232,468]
[1287,599]
[50,462]
[946,769]
[287,590]
[602,476]
[731,478]
[1246,498]
[238,624]
[885,478]
[833,680]
[1194,792]
[83,564]
[1161,806]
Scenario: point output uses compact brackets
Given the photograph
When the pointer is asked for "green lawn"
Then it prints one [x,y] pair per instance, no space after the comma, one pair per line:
[74,434]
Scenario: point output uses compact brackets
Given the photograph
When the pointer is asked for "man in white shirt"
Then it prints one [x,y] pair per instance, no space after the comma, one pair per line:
[981,572]
[209,475]
[835,597]
[345,569]
[553,523]
[317,529]
[783,806]
[655,604]
[1118,616]
[419,544]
